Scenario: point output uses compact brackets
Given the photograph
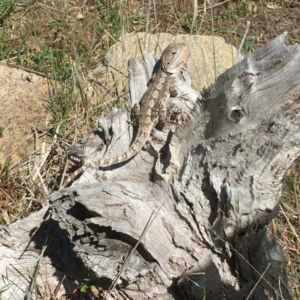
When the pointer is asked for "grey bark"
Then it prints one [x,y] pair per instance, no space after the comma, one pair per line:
[210,187]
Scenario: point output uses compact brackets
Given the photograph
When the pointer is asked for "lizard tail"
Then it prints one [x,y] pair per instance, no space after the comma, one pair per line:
[133,150]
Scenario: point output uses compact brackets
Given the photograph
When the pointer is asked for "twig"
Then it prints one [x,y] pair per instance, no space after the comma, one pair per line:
[45,216]
[236,60]
[213,42]
[261,276]
[245,34]
[28,70]
[155,18]
[130,255]
[249,264]
[296,198]
[84,96]
[122,27]
[194,15]
[59,285]
[35,274]
[212,6]
[110,35]
[147,25]
[123,268]
[64,174]
[291,226]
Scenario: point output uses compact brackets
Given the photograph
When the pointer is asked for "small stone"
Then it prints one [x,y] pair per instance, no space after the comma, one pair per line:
[79,16]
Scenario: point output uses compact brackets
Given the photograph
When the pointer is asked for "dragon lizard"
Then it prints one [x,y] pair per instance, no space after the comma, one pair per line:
[152,105]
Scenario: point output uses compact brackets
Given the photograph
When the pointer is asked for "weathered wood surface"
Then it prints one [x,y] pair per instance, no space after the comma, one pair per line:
[214,186]
[210,188]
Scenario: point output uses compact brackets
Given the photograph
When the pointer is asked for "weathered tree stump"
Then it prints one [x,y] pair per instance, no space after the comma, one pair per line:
[197,200]
[210,189]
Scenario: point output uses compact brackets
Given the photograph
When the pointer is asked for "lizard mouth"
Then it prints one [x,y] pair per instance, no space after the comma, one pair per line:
[177,67]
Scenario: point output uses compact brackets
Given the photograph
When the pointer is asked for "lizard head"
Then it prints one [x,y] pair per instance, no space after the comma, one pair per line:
[172,57]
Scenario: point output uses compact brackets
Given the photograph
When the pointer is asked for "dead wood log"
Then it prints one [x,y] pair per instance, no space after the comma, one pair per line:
[209,188]
[213,185]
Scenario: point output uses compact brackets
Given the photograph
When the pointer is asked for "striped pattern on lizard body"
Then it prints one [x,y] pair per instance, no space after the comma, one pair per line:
[151,104]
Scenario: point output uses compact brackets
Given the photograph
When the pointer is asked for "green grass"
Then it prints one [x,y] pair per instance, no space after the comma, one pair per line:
[252,45]
[6,47]
[1,131]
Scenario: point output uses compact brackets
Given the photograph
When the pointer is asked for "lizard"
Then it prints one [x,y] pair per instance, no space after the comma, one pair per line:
[151,105]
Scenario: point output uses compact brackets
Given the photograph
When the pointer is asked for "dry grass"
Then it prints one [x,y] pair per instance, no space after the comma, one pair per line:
[47,37]
[286,226]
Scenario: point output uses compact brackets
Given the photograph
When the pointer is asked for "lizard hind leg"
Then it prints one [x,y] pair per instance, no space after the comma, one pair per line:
[135,114]
[161,117]
[158,114]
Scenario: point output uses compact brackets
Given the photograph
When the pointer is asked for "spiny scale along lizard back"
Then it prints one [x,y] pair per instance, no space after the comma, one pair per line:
[151,103]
